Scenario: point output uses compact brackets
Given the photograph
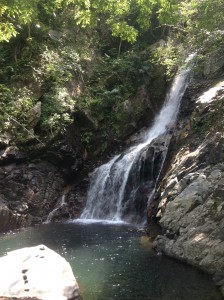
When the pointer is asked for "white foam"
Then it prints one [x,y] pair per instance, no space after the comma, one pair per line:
[94,221]
[107,198]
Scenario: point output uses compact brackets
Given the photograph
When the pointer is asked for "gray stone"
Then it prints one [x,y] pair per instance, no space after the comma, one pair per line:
[8,219]
[29,191]
[213,65]
[191,211]
[192,196]
[37,273]
[54,34]
[34,115]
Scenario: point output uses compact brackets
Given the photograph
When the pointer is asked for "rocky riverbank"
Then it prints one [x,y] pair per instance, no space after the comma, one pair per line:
[190,197]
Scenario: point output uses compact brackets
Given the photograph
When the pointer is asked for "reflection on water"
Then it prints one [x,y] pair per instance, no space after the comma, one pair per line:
[115,262]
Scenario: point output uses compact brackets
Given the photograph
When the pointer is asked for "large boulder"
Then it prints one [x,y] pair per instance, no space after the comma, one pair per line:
[37,273]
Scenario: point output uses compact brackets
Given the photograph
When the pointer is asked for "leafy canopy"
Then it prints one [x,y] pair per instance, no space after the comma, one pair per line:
[119,16]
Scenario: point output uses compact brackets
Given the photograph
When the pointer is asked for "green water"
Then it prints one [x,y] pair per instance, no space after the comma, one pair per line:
[111,262]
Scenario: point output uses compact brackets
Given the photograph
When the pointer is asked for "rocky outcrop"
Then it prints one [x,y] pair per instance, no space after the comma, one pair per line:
[37,273]
[31,193]
[32,183]
[8,219]
[143,177]
[190,197]
[28,193]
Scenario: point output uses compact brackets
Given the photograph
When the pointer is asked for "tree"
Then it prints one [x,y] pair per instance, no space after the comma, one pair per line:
[196,20]
[124,18]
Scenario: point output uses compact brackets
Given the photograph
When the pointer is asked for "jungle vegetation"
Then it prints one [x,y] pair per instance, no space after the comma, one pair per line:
[92,55]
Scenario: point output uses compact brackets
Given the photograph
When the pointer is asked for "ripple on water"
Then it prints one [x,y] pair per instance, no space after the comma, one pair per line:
[116,262]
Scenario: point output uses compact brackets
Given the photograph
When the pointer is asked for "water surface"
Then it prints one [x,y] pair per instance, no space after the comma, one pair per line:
[115,262]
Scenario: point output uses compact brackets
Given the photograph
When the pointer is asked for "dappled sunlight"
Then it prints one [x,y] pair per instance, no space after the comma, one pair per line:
[199,237]
[210,94]
[198,245]
[186,154]
[117,262]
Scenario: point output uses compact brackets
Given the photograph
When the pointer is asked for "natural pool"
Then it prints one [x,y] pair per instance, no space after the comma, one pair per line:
[115,262]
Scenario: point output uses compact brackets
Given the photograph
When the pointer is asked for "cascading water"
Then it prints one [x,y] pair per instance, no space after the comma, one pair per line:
[120,189]
[60,204]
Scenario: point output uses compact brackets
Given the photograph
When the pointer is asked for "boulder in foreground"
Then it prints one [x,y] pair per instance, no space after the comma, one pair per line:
[37,273]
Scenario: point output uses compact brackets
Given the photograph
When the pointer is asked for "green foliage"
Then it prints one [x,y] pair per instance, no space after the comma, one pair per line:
[116,14]
[114,81]
[55,113]
[86,138]
[60,64]
[35,66]
[169,56]
[19,13]
[40,72]
[192,26]
[14,112]
[168,11]
[124,18]
[194,20]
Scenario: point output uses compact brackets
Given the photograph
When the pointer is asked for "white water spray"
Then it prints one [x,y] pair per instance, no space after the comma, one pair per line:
[114,188]
[60,204]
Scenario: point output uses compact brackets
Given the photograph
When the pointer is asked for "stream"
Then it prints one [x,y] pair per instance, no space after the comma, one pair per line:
[112,261]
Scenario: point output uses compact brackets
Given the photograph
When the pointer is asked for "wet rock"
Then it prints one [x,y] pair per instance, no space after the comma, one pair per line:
[8,219]
[143,177]
[30,190]
[37,273]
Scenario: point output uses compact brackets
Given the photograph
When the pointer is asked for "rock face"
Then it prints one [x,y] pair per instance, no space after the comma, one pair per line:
[8,219]
[37,273]
[31,187]
[191,202]
[28,192]
[143,177]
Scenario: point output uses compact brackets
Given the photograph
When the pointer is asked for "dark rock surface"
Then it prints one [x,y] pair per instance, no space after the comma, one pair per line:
[32,183]
[29,191]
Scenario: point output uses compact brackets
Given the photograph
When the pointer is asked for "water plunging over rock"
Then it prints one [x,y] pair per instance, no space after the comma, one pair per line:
[121,188]
[61,203]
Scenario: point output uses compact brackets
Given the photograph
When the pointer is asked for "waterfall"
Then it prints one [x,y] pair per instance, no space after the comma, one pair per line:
[60,204]
[120,189]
